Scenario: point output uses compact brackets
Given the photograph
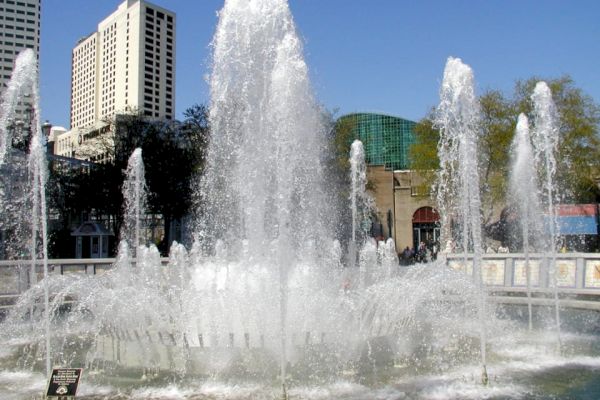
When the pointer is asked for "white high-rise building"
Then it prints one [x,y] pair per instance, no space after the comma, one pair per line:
[19,30]
[127,65]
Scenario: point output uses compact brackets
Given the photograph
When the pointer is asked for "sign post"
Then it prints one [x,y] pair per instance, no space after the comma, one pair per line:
[63,383]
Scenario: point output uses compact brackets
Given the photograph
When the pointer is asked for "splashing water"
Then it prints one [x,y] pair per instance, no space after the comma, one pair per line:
[545,142]
[523,188]
[458,118]
[263,179]
[262,297]
[360,202]
[20,85]
[134,204]
[262,294]
[24,85]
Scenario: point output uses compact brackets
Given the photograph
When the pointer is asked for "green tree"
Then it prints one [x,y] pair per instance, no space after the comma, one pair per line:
[173,155]
[342,138]
[578,155]
[423,152]
[498,126]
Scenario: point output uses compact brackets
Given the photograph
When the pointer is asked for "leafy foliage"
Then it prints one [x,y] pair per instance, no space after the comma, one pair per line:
[579,144]
[173,155]
[578,154]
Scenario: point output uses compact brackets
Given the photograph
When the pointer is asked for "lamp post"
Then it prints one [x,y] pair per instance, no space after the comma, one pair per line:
[46,129]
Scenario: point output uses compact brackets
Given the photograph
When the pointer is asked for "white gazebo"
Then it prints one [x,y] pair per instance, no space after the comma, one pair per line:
[91,240]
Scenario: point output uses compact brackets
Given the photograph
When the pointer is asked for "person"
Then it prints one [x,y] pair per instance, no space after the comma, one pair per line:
[405,256]
[434,250]
[563,249]
[421,252]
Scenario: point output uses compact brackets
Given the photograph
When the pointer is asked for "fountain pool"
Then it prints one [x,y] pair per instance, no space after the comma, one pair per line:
[262,305]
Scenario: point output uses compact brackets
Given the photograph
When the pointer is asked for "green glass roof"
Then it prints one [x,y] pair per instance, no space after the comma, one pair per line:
[386,138]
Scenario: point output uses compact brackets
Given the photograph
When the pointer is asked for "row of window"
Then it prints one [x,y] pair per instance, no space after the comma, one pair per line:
[83,87]
[19,3]
[16,44]
[84,63]
[150,31]
[88,49]
[15,35]
[159,15]
[13,11]
[18,28]
[21,20]
[80,79]
[83,92]
[108,73]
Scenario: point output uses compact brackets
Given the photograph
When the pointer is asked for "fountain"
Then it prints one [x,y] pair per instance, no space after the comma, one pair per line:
[360,203]
[458,119]
[24,85]
[523,184]
[545,142]
[134,204]
[261,305]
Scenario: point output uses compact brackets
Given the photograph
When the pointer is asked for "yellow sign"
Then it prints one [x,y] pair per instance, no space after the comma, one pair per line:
[520,273]
[565,273]
[592,274]
[493,272]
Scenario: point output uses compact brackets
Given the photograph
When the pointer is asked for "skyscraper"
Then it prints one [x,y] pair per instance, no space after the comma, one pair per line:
[19,30]
[128,64]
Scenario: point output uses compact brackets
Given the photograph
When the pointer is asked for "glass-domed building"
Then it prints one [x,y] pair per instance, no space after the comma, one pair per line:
[386,138]
[403,211]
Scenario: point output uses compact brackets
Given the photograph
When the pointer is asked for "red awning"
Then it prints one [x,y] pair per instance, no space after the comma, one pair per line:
[425,215]
[576,210]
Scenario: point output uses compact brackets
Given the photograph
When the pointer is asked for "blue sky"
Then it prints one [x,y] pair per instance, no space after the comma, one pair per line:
[378,55]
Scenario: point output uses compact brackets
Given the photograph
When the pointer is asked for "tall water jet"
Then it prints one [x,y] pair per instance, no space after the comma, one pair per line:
[15,196]
[263,181]
[359,201]
[458,120]
[20,85]
[545,143]
[524,192]
[230,311]
[23,87]
[134,202]
[263,177]
[39,231]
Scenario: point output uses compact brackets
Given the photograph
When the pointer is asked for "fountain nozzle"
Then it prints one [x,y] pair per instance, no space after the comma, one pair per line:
[284,394]
[484,376]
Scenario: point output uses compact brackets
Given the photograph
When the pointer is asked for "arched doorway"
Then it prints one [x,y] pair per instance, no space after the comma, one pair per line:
[426,227]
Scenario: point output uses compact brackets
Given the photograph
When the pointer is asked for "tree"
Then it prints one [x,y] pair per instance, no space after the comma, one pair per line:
[341,135]
[498,126]
[173,154]
[77,188]
[423,153]
[578,156]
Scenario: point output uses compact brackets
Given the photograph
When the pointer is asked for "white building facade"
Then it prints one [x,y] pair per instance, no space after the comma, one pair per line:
[127,65]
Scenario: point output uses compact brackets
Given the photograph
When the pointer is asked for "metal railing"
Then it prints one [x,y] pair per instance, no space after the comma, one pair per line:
[16,275]
[578,275]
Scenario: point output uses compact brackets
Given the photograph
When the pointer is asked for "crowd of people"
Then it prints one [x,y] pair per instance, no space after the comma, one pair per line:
[425,252]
